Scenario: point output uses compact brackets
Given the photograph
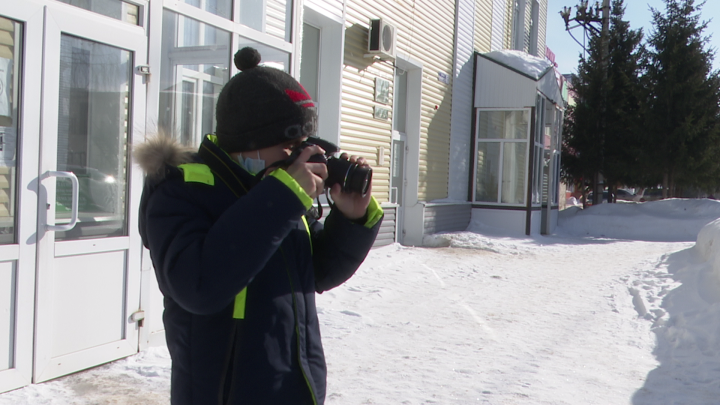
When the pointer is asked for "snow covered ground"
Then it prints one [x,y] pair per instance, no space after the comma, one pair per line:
[620,306]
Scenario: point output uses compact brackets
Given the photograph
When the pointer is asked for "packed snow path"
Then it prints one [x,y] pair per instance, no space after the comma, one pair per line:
[544,322]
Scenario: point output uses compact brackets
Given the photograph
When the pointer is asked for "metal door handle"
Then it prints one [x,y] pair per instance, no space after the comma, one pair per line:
[75,199]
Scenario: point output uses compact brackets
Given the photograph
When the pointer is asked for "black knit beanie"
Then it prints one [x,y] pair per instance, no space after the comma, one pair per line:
[261,107]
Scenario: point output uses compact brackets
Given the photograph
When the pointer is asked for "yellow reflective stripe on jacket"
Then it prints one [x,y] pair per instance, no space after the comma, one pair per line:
[307,228]
[197,173]
[374,213]
[293,185]
[239,310]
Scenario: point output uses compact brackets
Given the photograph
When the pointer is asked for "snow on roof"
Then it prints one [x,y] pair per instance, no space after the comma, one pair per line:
[527,64]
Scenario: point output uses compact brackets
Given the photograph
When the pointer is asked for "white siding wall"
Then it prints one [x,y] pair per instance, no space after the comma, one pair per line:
[447,217]
[542,27]
[425,34]
[509,12]
[461,127]
[499,12]
[502,18]
[334,8]
[483,25]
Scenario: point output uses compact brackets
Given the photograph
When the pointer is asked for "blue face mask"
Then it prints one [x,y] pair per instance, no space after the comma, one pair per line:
[254,166]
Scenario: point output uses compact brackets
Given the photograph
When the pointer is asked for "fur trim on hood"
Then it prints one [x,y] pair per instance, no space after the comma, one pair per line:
[159,151]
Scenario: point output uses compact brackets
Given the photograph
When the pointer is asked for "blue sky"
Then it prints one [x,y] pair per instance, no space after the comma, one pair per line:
[636,11]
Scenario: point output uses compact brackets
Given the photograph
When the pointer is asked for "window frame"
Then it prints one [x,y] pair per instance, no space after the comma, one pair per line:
[501,154]
[240,35]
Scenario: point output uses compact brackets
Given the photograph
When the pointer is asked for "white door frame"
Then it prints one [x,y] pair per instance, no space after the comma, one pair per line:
[59,19]
[330,65]
[414,211]
[21,256]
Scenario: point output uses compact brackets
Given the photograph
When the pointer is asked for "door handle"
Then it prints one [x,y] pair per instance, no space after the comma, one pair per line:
[75,199]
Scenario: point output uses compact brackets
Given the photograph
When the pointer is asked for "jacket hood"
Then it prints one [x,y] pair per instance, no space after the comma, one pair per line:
[153,154]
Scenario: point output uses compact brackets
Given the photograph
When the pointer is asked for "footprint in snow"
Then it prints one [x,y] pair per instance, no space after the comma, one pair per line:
[351,313]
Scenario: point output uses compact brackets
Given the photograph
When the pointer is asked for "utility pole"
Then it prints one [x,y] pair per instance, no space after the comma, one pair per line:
[585,17]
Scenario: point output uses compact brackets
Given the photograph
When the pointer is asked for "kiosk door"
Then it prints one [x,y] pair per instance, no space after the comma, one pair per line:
[88,270]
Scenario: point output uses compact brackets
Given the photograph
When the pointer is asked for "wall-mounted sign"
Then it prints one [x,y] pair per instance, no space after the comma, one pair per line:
[443,77]
[382,90]
[381,113]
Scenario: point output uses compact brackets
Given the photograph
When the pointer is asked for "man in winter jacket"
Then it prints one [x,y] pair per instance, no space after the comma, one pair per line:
[237,256]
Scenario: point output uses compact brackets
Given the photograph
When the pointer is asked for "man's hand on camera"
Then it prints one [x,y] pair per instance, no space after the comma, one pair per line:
[352,205]
[310,176]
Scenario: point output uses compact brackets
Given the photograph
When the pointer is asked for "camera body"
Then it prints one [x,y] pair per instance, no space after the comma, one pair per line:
[352,177]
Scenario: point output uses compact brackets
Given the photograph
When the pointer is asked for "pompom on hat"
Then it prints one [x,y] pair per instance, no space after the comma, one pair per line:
[262,107]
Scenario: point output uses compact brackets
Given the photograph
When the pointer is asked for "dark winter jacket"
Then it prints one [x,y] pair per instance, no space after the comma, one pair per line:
[239,266]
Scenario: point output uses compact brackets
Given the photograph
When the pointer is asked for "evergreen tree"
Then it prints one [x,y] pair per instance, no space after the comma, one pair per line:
[603,129]
[624,126]
[682,111]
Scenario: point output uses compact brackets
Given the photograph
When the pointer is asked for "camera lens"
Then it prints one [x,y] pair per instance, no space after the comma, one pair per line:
[358,179]
[350,176]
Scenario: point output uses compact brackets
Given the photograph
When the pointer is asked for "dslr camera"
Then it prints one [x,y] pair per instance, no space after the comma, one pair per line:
[352,177]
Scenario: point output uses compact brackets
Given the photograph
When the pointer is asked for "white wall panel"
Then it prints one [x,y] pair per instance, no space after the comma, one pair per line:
[8,296]
[499,87]
[512,221]
[89,292]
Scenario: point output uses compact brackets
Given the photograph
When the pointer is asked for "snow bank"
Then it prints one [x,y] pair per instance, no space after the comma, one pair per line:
[671,220]
[687,326]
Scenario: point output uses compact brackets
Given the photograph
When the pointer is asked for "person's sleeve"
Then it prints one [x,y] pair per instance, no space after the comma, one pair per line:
[202,263]
[341,245]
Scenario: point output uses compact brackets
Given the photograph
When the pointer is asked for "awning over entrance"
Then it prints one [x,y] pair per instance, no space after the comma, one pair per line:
[511,79]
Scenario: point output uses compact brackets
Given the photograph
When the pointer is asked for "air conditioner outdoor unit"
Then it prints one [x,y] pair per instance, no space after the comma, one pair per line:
[381,39]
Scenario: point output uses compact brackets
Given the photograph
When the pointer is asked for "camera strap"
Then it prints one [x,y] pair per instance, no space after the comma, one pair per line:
[223,171]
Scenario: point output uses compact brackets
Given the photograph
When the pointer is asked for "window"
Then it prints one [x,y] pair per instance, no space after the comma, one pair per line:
[193,71]
[279,19]
[400,102]
[501,156]
[518,25]
[273,17]
[539,149]
[534,26]
[93,122]
[321,67]
[10,68]
[553,149]
[117,9]
[310,63]
[223,8]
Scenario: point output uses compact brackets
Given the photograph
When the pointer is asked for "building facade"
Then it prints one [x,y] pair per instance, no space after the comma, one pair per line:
[81,81]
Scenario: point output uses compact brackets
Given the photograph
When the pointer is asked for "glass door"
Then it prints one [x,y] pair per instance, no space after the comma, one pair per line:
[20,68]
[93,107]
